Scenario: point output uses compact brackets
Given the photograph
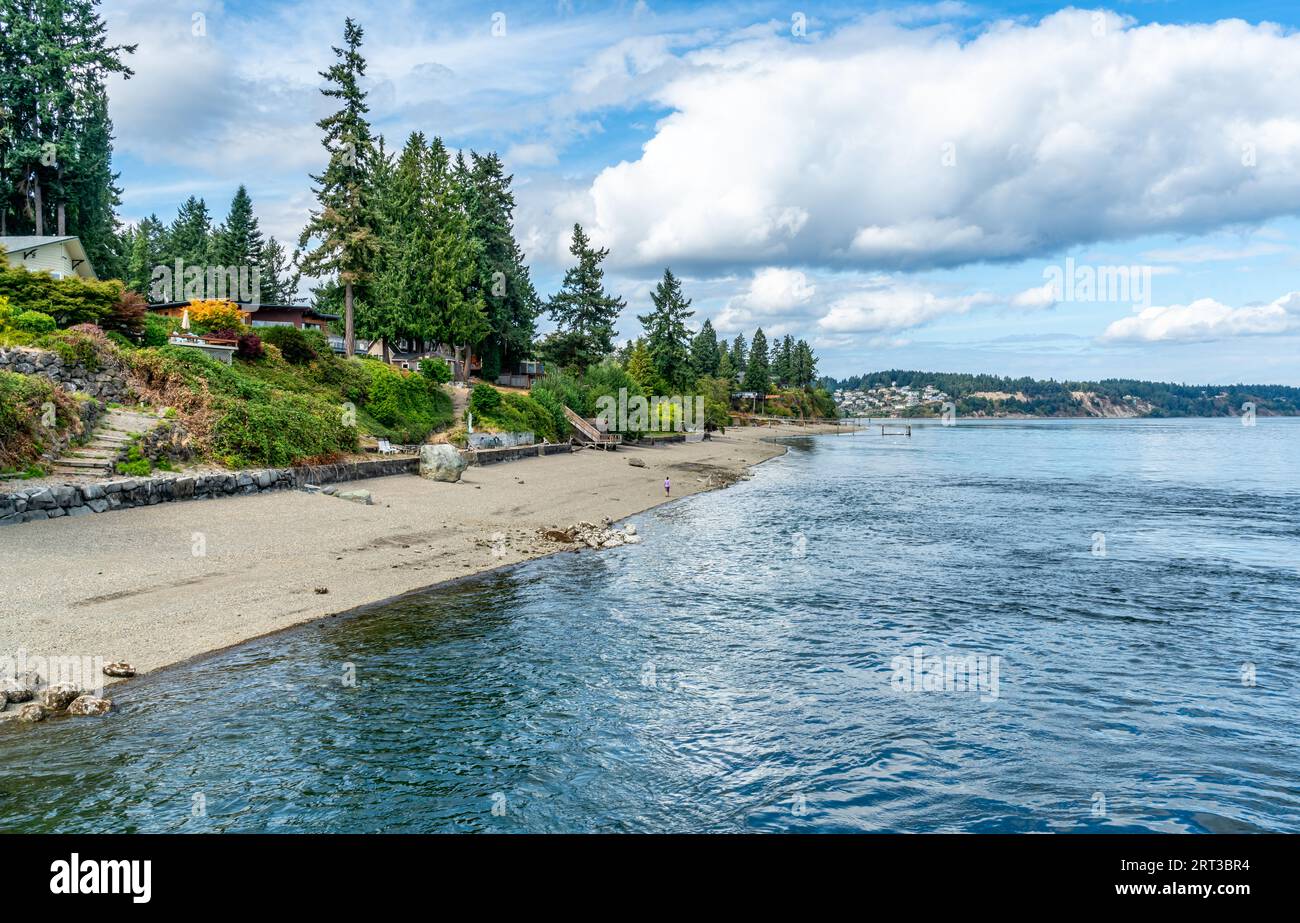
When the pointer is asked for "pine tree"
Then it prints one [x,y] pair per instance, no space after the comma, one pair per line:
[805,365]
[583,311]
[189,238]
[758,370]
[238,242]
[726,370]
[279,274]
[93,193]
[144,245]
[54,59]
[459,317]
[343,227]
[401,304]
[641,368]
[739,355]
[705,355]
[503,278]
[667,338]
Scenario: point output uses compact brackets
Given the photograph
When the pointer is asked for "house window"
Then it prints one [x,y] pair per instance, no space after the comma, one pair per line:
[273,323]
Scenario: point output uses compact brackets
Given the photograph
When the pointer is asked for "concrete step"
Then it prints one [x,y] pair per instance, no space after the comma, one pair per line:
[83,464]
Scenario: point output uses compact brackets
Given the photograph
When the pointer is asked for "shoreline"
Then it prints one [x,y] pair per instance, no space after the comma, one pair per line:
[169,584]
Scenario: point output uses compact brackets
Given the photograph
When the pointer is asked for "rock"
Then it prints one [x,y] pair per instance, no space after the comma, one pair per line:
[119,668]
[636,462]
[356,496]
[58,696]
[441,463]
[89,705]
[613,541]
[32,712]
[330,491]
[629,529]
[322,590]
[632,540]
[558,535]
[4,699]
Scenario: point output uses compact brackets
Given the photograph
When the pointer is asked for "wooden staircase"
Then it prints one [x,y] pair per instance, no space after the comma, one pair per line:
[589,434]
[108,442]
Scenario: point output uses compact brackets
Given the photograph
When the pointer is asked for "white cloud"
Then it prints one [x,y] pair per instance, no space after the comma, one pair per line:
[886,304]
[1205,319]
[883,147]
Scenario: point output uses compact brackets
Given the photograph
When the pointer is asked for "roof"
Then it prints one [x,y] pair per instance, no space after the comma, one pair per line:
[250,308]
[27,243]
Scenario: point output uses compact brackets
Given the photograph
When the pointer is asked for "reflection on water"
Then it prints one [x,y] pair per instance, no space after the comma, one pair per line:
[734,671]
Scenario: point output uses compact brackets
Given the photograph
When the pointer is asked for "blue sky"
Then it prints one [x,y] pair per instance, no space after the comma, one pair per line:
[903,186]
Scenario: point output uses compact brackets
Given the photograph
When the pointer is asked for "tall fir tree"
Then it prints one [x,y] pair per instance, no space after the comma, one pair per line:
[705,355]
[145,249]
[189,237]
[584,312]
[279,274]
[739,355]
[667,338]
[503,277]
[238,241]
[758,369]
[343,226]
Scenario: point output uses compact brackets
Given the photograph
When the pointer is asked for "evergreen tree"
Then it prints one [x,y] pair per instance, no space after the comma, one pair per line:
[189,238]
[584,312]
[145,250]
[667,339]
[705,355]
[401,304]
[503,278]
[343,227]
[279,274]
[641,368]
[739,355]
[238,242]
[805,365]
[783,362]
[93,193]
[459,317]
[726,370]
[54,59]
[758,370]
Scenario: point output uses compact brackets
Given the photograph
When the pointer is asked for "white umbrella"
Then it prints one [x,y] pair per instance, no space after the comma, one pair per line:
[185,320]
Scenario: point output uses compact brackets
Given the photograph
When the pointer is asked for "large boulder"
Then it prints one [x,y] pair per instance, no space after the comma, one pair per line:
[58,696]
[32,712]
[89,705]
[441,463]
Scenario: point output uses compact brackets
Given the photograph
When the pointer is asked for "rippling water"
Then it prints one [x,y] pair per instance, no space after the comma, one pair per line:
[736,670]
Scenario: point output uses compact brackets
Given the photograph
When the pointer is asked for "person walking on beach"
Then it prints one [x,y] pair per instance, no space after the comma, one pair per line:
[668,487]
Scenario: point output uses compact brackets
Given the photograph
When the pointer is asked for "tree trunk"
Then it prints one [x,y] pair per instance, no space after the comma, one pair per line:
[40,211]
[349,335]
[63,220]
[387,355]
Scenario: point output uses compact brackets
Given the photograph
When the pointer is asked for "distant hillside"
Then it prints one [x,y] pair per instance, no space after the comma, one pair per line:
[916,394]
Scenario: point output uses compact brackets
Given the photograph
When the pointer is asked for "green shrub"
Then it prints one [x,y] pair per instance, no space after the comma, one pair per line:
[484,399]
[294,344]
[24,400]
[136,464]
[156,329]
[436,370]
[409,406]
[34,322]
[70,300]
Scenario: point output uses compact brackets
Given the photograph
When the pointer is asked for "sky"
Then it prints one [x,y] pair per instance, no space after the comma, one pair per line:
[1011,188]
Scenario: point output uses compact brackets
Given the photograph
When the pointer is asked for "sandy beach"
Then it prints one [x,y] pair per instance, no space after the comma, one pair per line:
[157,585]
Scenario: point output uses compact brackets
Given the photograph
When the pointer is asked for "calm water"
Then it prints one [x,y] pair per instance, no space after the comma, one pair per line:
[734,671]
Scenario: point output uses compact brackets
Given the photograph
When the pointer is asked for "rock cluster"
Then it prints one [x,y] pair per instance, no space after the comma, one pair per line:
[593,536]
[35,503]
[35,702]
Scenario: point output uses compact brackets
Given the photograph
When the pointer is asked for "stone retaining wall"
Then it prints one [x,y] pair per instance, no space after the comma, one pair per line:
[36,503]
[492,456]
[107,383]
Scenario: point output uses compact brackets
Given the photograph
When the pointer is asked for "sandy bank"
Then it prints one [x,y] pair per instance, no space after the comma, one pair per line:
[160,584]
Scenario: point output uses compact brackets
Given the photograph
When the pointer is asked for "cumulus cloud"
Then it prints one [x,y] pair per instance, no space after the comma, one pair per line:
[892,148]
[1205,319]
[886,304]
